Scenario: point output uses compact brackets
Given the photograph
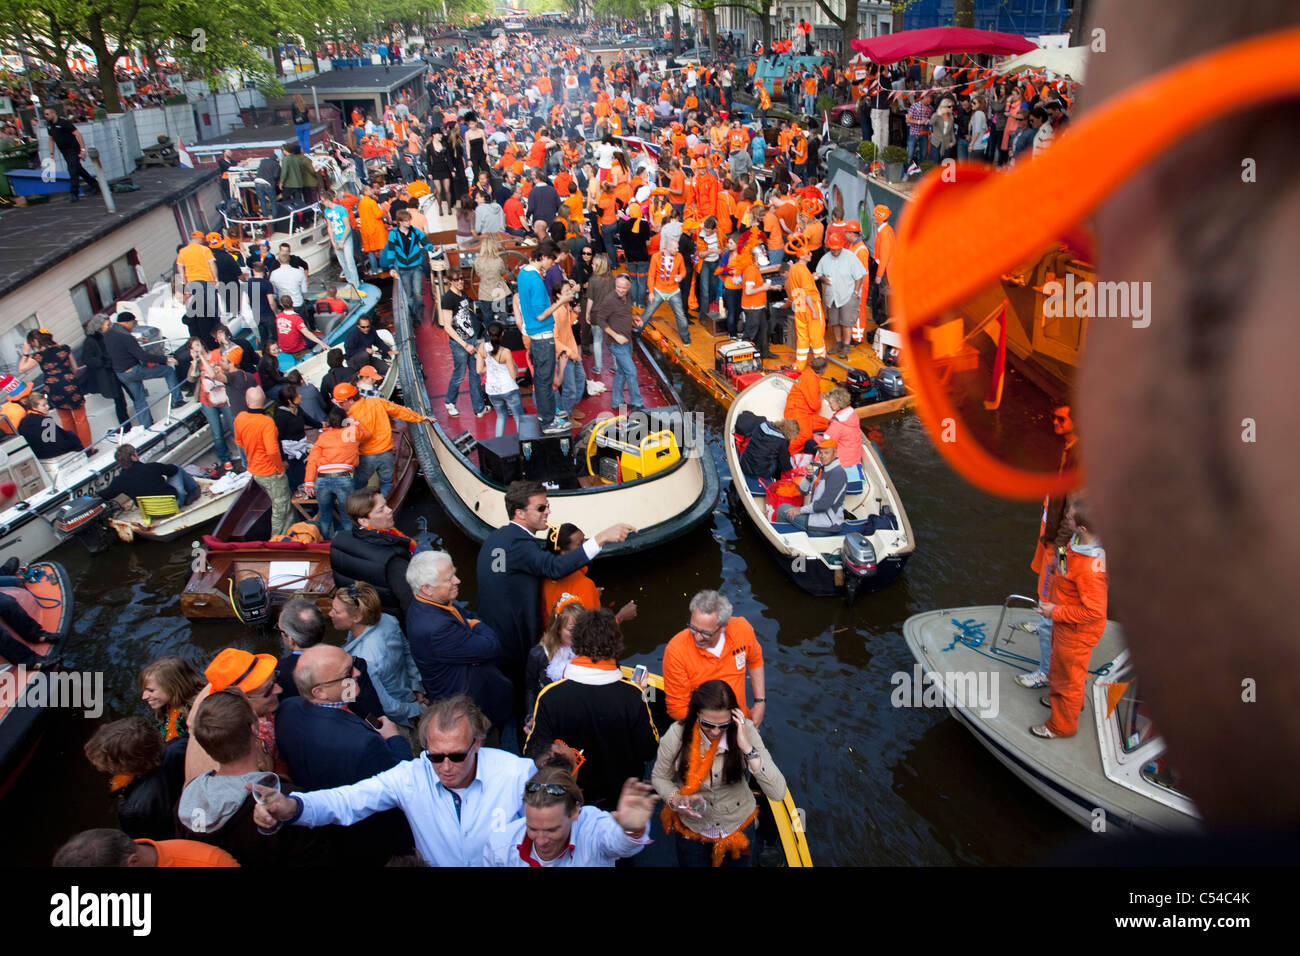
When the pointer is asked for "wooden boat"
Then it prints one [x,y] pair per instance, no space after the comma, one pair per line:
[877,539]
[1113,776]
[648,468]
[779,821]
[46,594]
[238,548]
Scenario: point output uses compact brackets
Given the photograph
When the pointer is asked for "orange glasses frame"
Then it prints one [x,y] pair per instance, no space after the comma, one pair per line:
[1099,152]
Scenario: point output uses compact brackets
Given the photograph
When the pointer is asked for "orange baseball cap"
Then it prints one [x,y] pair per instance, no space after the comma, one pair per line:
[236,668]
[828,443]
[214,239]
[196,234]
[235,355]
[368,371]
[343,391]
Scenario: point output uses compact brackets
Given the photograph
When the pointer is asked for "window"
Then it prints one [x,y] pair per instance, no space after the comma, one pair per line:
[11,344]
[189,217]
[97,294]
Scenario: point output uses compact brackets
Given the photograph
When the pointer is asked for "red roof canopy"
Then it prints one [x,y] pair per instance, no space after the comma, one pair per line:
[934,41]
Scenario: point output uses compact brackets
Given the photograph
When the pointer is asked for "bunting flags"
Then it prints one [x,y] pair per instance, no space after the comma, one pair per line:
[183,154]
[913,170]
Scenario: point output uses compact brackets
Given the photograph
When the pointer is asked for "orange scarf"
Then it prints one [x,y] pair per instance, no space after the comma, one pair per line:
[698,768]
[607,665]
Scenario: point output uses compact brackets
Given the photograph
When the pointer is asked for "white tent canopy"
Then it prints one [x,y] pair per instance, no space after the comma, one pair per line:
[1071,62]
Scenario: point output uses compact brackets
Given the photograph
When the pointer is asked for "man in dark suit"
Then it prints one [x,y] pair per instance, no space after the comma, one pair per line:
[326,745]
[511,565]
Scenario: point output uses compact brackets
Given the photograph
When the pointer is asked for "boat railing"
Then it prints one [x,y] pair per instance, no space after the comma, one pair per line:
[268,222]
[1029,602]
[76,459]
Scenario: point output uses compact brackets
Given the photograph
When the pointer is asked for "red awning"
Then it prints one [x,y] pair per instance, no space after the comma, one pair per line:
[939,40]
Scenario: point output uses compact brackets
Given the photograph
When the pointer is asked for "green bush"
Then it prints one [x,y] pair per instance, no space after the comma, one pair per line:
[867,150]
[894,154]
[825,103]
[927,166]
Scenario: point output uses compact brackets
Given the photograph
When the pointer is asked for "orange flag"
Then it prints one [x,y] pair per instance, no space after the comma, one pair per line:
[1114,693]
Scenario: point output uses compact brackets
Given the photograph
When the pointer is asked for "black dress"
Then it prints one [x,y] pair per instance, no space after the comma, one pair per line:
[478,153]
[436,158]
[459,184]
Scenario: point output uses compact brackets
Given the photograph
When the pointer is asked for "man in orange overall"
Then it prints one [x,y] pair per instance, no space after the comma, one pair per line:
[884,256]
[1077,610]
[855,245]
[805,303]
[804,405]
[374,234]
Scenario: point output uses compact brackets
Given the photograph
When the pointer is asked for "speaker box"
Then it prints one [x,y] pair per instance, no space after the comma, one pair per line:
[500,460]
[545,457]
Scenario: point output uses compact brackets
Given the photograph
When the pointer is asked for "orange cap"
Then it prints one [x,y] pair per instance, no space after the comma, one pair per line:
[880,213]
[828,443]
[368,371]
[811,207]
[236,668]
[343,391]
[196,234]
[835,240]
[853,226]
[235,354]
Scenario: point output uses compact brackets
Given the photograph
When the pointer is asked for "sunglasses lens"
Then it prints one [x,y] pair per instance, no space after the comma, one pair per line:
[992,365]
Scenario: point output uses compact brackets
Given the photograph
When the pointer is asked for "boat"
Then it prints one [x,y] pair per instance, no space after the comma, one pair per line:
[1113,776]
[779,821]
[877,539]
[45,594]
[649,468]
[238,549]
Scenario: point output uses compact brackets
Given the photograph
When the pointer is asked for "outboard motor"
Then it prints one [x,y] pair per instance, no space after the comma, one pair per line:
[86,518]
[859,559]
[889,383]
[252,603]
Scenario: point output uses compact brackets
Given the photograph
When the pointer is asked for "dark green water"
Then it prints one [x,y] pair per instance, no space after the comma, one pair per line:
[879,785]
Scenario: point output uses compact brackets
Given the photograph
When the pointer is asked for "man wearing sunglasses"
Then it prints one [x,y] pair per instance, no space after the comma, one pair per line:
[714,646]
[326,745]
[512,563]
[455,795]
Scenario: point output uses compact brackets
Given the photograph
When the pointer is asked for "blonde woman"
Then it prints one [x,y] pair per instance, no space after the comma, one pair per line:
[493,290]
[549,657]
[598,286]
[377,639]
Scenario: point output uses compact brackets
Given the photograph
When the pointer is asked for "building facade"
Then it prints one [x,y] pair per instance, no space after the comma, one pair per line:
[1024,17]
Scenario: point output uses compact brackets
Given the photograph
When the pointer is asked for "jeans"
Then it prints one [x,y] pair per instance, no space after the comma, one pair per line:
[704,293]
[573,386]
[332,490]
[304,136]
[674,300]
[133,381]
[490,312]
[597,348]
[775,256]
[699,853]
[77,172]
[381,464]
[624,375]
[266,201]
[607,236]
[637,272]
[461,361]
[277,489]
[187,489]
[962,148]
[731,299]
[220,419]
[808,103]
[507,403]
[542,353]
[918,147]
[413,288]
[789,514]
[347,258]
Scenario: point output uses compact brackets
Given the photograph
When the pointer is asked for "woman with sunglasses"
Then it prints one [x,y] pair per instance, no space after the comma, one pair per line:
[700,773]
[377,639]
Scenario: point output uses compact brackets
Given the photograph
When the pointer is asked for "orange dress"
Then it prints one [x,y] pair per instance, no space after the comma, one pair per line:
[577,584]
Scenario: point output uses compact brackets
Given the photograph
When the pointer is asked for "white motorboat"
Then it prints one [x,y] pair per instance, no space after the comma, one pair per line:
[1113,776]
[876,540]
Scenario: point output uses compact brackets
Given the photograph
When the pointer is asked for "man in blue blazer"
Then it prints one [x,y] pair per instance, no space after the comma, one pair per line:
[326,745]
[511,566]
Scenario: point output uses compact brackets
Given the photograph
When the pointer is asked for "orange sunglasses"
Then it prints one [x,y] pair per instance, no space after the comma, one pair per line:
[1095,155]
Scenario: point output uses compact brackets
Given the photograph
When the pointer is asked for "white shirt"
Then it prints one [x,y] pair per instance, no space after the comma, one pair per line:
[492,801]
[290,281]
[605,155]
[595,840]
[589,547]
[716,649]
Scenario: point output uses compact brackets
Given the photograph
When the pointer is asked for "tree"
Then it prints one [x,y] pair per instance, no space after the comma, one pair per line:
[848,25]
[759,8]
[28,29]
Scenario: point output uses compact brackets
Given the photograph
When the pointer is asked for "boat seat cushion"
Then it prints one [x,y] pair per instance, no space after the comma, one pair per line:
[755,486]
[855,479]
[215,544]
[850,525]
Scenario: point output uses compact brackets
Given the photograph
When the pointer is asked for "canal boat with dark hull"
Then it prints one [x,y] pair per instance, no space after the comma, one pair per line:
[877,538]
[238,551]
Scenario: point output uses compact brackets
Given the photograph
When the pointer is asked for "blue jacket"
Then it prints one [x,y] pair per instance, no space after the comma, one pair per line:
[406,252]
[457,655]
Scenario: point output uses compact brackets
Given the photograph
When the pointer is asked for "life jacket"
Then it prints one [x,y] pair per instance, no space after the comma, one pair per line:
[362,554]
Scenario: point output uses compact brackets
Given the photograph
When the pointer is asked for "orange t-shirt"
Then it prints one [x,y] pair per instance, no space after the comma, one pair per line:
[374,415]
[537,154]
[577,584]
[667,278]
[677,187]
[756,300]
[686,667]
[198,263]
[772,226]
[810,85]
[256,435]
[813,232]
[608,209]
[789,216]
[189,853]
[800,147]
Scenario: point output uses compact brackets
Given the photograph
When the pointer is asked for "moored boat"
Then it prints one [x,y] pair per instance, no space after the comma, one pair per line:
[647,468]
[45,593]
[876,539]
[238,549]
[1113,776]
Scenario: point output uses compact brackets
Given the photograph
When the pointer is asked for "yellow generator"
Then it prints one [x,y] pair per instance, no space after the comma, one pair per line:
[614,455]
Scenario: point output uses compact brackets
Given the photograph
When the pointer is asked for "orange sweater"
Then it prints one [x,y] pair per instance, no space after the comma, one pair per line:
[337,450]
[686,667]
[373,415]
[577,584]
[256,435]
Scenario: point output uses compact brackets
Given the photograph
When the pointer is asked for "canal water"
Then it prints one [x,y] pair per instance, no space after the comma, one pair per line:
[878,785]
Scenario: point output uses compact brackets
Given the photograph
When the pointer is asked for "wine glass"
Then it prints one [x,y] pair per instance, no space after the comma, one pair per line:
[264,787]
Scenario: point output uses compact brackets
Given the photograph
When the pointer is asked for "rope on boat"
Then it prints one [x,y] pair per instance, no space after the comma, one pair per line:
[35,575]
[969,633]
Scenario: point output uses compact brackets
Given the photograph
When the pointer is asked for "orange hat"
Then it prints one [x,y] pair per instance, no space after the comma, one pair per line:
[343,391]
[236,668]
[659,191]
[699,149]
[716,160]
[196,234]
[215,240]
[796,245]
[368,371]
[835,240]
[690,225]
[811,207]
[881,213]
[853,226]
[565,600]
[828,443]
[235,354]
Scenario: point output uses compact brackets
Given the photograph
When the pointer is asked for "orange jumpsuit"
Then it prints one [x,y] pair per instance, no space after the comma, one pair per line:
[1078,620]
[809,313]
[804,406]
[864,256]
[374,235]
